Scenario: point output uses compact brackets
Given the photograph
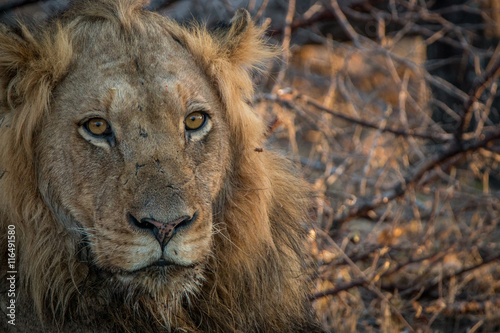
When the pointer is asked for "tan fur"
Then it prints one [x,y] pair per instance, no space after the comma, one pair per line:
[83,265]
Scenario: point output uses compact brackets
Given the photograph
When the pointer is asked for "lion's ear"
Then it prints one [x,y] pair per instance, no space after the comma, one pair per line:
[228,54]
[29,63]
[15,54]
[30,67]
[232,36]
[241,42]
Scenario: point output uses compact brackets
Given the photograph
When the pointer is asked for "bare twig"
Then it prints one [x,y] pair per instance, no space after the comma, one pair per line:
[477,90]
[261,9]
[337,12]
[336,290]
[287,31]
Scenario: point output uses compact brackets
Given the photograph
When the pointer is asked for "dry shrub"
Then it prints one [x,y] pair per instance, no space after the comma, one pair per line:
[405,164]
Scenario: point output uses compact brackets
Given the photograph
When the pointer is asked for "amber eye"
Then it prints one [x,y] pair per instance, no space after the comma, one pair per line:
[97,126]
[195,120]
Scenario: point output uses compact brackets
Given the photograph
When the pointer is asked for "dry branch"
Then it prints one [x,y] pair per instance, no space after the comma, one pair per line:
[400,189]
[477,90]
[286,102]
[430,284]
[434,257]
[287,32]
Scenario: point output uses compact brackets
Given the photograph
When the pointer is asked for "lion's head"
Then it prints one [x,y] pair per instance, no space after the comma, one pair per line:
[129,169]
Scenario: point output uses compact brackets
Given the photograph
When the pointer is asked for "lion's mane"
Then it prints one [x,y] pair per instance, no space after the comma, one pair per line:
[257,278]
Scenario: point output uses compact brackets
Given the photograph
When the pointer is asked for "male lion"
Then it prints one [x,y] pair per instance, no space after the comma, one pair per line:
[130,180]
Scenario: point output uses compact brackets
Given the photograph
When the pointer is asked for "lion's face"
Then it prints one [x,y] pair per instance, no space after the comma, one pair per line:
[132,156]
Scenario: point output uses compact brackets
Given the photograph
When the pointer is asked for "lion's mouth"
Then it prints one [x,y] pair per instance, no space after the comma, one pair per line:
[164,266]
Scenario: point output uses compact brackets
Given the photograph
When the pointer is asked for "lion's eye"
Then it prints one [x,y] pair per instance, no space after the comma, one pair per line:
[195,120]
[97,126]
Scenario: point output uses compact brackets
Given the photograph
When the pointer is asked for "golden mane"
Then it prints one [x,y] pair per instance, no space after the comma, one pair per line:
[256,279]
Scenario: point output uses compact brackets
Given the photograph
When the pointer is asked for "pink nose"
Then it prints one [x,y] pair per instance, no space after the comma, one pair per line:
[163,231]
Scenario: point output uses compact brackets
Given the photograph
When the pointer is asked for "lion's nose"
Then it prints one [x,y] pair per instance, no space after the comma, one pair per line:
[163,231]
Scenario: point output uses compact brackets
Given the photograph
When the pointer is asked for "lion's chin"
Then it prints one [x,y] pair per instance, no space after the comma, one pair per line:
[162,276]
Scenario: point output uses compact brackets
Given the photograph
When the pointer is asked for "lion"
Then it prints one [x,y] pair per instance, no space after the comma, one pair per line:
[134,193]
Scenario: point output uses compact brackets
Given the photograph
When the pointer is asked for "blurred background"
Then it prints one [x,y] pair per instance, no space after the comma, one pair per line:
[390,109]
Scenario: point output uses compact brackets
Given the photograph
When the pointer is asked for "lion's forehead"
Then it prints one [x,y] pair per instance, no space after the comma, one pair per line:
[138,89]
[143,64]
[140,53]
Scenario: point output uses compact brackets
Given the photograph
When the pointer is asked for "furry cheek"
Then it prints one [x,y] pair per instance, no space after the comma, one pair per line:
[189,249]
[123,253]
